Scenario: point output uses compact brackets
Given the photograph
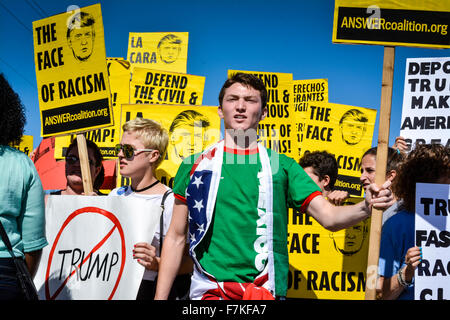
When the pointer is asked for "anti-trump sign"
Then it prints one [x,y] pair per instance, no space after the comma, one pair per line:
[89,256]
[426,102]
[433,236]
[71,72]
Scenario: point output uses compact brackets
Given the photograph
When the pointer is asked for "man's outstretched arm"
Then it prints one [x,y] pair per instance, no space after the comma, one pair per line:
[335,218]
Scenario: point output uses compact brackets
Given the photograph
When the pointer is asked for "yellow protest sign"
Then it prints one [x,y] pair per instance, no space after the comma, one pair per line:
[191,129]
[106,138]
[162,87]
[345,131]
[392,23]
[165,51]
[325,264]
[71,73]
[26,145]
[276,131]
[305,91]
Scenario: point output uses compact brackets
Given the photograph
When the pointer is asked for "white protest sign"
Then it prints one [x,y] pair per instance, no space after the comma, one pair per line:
[432,277]
[426,102]
[91,239]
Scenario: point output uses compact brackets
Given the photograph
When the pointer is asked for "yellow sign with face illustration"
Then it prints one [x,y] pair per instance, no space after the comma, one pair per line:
[325,264]
[191,129]
[342,130]
[162,87]
[71,72]
[165,51]
[119,79]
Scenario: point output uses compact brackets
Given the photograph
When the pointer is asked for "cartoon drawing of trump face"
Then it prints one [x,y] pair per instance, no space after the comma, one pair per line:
[187,134]
[353,240]
[353,126]
[169,48]
[81,35]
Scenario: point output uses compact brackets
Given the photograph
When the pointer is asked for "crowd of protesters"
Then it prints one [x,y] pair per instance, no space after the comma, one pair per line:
[236,240]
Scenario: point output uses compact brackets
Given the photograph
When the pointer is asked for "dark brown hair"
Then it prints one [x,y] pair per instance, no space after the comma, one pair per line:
[98,161]
[323,163]
[427,163]
[248,80]
[12,114]
[393,160]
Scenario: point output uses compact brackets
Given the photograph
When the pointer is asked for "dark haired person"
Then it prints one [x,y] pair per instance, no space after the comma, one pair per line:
[234,197]
[399,257]
[21,197]
[322,167]
[73,169]
[368,166]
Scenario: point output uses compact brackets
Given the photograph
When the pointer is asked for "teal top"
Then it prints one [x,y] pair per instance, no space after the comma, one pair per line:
[22,209]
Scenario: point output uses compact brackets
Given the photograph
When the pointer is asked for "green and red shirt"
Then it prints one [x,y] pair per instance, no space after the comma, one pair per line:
[234,246]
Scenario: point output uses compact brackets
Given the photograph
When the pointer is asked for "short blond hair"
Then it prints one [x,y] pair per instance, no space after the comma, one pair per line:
[151,133]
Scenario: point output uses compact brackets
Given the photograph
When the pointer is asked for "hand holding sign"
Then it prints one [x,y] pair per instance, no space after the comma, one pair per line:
[146,255]
[89,239]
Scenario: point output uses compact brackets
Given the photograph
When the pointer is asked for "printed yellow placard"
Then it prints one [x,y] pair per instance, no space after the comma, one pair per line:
[191,129]
[106,138]
[277,130]
[165,51]
[161,87]
[71,72]
[345,131]
[392,23]
[25,145]
[305,91]
[325,264]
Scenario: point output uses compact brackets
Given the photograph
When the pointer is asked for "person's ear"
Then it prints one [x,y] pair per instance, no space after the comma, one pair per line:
[154,156]
[263,114]
[326,181]
[391,175]
[220,112]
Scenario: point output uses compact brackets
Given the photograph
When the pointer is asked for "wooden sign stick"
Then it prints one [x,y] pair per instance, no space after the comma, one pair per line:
[380,170]
[84,164]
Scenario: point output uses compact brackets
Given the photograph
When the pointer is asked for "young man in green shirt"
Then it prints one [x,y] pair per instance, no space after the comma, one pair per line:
[234,199]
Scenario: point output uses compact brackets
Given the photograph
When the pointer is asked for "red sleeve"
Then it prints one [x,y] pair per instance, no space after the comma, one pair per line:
[305,203]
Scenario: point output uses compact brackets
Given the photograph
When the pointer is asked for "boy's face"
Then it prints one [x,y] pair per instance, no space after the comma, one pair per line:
[241,108]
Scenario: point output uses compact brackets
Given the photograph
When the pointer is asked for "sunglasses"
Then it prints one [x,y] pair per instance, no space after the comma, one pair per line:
[73,159]
[128,150]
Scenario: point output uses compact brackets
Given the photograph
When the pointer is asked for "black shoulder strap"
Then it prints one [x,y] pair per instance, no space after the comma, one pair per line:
[161,220]
[6,240]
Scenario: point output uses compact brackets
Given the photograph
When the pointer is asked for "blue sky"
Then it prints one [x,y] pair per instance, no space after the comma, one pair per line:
[292,36]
